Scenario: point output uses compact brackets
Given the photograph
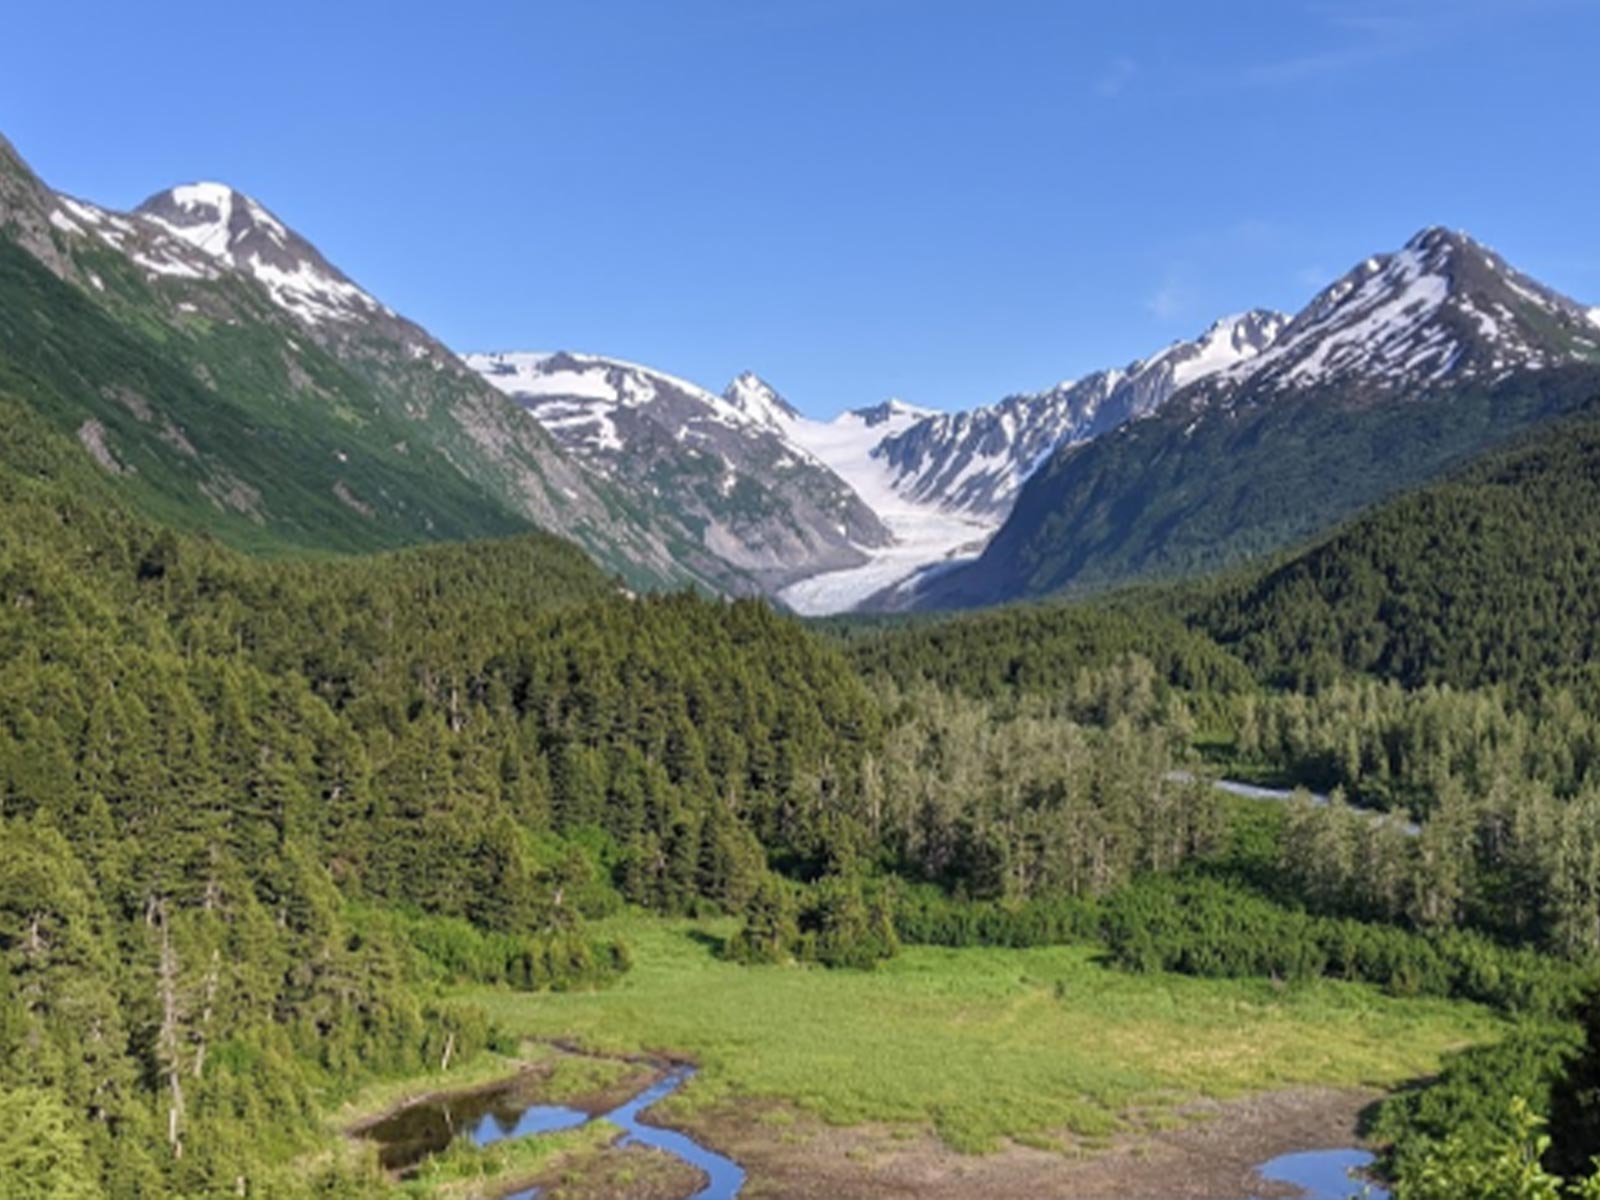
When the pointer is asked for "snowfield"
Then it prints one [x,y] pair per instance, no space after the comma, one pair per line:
[923,537]
[924,533]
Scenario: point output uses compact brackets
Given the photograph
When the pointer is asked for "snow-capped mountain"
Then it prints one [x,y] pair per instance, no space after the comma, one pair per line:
[728,464]
[924,532]
[874,495]
[264,396]
[1409,363]
[234,229]
[974,462]
[759,402]
[1442,309]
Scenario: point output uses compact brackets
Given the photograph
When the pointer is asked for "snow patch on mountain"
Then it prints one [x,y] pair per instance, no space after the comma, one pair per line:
[847,445]
[1229,341]
[531,377]
[1443,307]
[582,398]
[975,462]
[733,465]
[760,402]
[145,245]
[232,228]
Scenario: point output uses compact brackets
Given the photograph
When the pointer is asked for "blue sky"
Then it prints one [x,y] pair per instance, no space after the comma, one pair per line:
[856,198]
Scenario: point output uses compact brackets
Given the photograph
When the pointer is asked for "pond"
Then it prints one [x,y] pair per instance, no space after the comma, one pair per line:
[1325,1174]
[510,1110]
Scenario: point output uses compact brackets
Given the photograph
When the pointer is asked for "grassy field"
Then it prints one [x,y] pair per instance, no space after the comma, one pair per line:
[984,1044]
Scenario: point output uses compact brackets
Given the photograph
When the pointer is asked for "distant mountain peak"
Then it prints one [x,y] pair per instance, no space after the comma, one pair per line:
[760,401]
[729,466]
[1431,238]
[1442,307]
[974,462]
[1229,342]
[235,229]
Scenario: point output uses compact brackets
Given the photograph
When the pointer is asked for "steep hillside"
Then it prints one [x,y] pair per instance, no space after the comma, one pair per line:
[826,513]
[1410,364]
[229,379]
[976,461]
[1491,576]
[256,813]
[725,466]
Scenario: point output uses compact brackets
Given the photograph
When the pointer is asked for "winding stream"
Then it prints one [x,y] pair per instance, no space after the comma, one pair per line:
[423,1129]
[510,1110]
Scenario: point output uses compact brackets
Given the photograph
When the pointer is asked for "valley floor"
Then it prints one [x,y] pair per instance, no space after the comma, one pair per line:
[1010,1072]
[1212,1155]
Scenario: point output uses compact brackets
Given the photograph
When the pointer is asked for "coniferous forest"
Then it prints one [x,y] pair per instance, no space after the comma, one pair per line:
[723,601]
[260,816]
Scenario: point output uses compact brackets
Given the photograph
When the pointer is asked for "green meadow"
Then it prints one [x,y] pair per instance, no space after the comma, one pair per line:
[984,1044]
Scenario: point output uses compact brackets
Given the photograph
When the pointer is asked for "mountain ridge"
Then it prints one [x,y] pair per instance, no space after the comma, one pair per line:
[1405,365]
[224,404]
[725,462]
[937,483]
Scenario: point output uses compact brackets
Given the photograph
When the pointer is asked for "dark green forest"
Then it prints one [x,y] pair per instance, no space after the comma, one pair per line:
[1485,579]
[257,816]
[1201,489]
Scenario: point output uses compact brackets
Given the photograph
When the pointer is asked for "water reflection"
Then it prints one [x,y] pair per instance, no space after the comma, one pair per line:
[427,1127]
[1325,1174]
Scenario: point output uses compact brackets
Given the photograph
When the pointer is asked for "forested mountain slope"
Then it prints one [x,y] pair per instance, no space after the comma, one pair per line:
[254,807]
[1407,367]
[229,379]
[230,791]
[259,810]
[1489,577]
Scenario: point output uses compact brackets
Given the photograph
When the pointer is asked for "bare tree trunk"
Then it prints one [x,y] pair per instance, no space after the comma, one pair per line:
[168,1038]
[205,1012]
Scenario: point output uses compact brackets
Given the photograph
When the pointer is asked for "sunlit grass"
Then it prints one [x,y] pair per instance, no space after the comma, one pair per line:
[467,1172]
[985,1043]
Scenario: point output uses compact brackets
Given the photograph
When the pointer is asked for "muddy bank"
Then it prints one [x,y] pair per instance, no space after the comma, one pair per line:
[633,1157]
[525,1079]
[1212,1157]
[637,1172]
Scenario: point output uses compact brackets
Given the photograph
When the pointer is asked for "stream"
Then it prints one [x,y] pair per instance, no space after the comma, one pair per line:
[511,1110]
[1251,791]
[420,1130]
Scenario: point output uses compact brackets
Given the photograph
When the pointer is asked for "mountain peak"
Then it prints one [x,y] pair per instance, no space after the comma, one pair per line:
[1228,343]
[235,229]
[1434,237]
[760,401]
[1235,338]
[1442,307]
[216,218]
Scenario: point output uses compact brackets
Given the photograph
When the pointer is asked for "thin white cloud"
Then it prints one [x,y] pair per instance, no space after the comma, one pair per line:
[1119,73]
[1172,300]
[1359,34]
